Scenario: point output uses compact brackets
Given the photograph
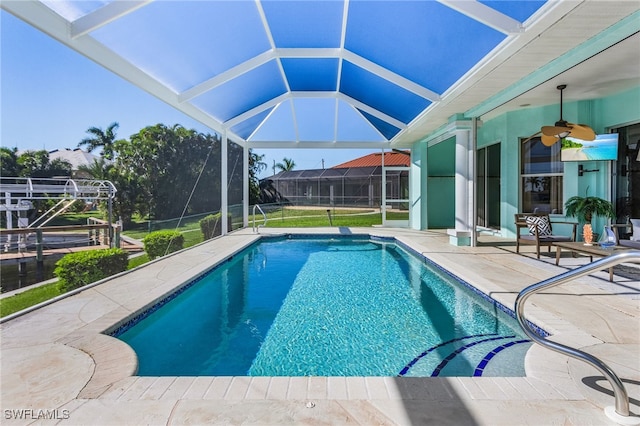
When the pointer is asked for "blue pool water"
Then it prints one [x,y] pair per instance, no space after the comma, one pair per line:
[327,307]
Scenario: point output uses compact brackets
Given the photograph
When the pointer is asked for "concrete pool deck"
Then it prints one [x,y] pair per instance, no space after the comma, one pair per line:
[57,367]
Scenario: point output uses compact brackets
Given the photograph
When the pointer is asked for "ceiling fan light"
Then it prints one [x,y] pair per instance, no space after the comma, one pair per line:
[563,134]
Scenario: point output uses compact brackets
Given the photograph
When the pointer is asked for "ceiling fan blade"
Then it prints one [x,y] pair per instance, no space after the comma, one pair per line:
[531,137]
[549,140]
[554,130]
[581,131]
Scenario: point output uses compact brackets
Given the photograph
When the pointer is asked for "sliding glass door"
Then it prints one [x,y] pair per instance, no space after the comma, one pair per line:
[488,187]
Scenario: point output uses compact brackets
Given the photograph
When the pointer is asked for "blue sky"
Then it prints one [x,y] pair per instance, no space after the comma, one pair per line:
[50,96]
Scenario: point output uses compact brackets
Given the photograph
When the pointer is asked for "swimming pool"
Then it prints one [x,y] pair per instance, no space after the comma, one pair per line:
[326,307]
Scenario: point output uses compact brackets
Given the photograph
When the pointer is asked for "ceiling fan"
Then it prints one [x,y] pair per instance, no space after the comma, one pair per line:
[552,134]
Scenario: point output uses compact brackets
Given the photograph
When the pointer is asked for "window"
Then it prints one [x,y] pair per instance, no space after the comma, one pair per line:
[541,174]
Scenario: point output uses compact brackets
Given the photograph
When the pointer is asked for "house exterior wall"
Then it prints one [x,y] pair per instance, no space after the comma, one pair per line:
[509,129]
[441,164]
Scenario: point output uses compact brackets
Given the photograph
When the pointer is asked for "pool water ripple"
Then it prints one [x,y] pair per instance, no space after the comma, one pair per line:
[323,308]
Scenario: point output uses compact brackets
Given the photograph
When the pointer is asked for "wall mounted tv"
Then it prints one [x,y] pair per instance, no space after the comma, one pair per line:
[604,147]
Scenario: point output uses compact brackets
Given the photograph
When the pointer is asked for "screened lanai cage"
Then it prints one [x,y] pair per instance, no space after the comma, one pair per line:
[336,187]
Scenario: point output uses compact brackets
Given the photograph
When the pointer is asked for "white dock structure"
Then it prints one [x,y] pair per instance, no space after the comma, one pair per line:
[17,193]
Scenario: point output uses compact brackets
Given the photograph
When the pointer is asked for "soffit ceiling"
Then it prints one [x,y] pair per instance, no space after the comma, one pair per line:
[335,73]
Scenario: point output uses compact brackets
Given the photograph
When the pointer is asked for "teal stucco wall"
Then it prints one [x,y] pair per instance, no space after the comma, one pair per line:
[436,190]
[441,164]
[600,114]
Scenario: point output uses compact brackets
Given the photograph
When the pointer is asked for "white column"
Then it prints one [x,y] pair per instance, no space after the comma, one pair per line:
[418,186]
[245,187]
[224,196]
[461,235]
[462,180]
[473,181]
[383,206]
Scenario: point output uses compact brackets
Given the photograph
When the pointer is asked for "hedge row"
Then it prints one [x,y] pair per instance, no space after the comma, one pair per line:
[160,243]
[75,270]
[211,226]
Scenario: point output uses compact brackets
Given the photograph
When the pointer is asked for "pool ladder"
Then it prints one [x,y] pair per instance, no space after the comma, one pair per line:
[619,413]
[256,229]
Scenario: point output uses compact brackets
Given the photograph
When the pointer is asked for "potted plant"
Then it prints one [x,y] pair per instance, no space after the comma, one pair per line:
[584,208]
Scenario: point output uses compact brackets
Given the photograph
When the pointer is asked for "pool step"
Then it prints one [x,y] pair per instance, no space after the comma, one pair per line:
[476,355]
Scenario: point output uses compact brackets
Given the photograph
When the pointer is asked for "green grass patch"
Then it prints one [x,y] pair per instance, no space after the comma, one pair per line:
[137,261]
[287,217]
[322,220]
[28,298]
[67,219]
[36,295]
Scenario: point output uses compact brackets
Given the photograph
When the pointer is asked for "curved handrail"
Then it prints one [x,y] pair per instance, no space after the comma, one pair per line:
[256,206]
[619,391]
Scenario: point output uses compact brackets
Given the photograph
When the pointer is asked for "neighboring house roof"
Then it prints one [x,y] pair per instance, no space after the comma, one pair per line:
[76,157]
[391,159]
[366,164]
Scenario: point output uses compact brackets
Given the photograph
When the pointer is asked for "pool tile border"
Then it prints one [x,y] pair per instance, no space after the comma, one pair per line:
[121,327]
[539,330]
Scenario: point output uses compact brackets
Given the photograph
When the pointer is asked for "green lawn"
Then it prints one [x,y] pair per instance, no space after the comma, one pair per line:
[28,298]
[190,228]
[67,219]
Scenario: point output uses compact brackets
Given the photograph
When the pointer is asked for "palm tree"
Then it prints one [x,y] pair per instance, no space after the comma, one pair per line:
[99,169]
[287,165]
[101,139]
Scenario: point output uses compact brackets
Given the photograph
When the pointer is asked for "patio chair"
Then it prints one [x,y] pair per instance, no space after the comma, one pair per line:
[539,231]
[633,240]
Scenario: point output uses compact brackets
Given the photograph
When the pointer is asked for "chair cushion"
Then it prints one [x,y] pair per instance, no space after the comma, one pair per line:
[630,243]
[636,230]
[554,238]
[540,222]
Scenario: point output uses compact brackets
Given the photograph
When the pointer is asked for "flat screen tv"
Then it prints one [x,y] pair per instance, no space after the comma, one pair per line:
[604,147]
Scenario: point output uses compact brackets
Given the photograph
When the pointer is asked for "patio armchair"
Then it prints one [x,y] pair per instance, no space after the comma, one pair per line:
[633,240]
[539,231]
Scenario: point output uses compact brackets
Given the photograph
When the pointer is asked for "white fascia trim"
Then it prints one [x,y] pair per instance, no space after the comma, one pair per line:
[317,145]
[320,95]
[578,54]
[256,110]
[41,17]
[336,118]
[104,15]
[226,76]
[307,52]
[486,15]
[378,114]
[375,129]
[259,126]
[390,76]
[447,131]
[253,63]
[547,16]
[275,102]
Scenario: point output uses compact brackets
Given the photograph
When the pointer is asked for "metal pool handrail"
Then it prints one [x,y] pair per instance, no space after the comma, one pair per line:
[256,206]
[619,391]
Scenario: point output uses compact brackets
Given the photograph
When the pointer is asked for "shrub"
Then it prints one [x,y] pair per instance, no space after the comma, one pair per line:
[211,225]
[159,243]
[75,270]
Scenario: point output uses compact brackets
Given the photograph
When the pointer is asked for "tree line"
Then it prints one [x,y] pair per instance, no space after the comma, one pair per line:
[160,172]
